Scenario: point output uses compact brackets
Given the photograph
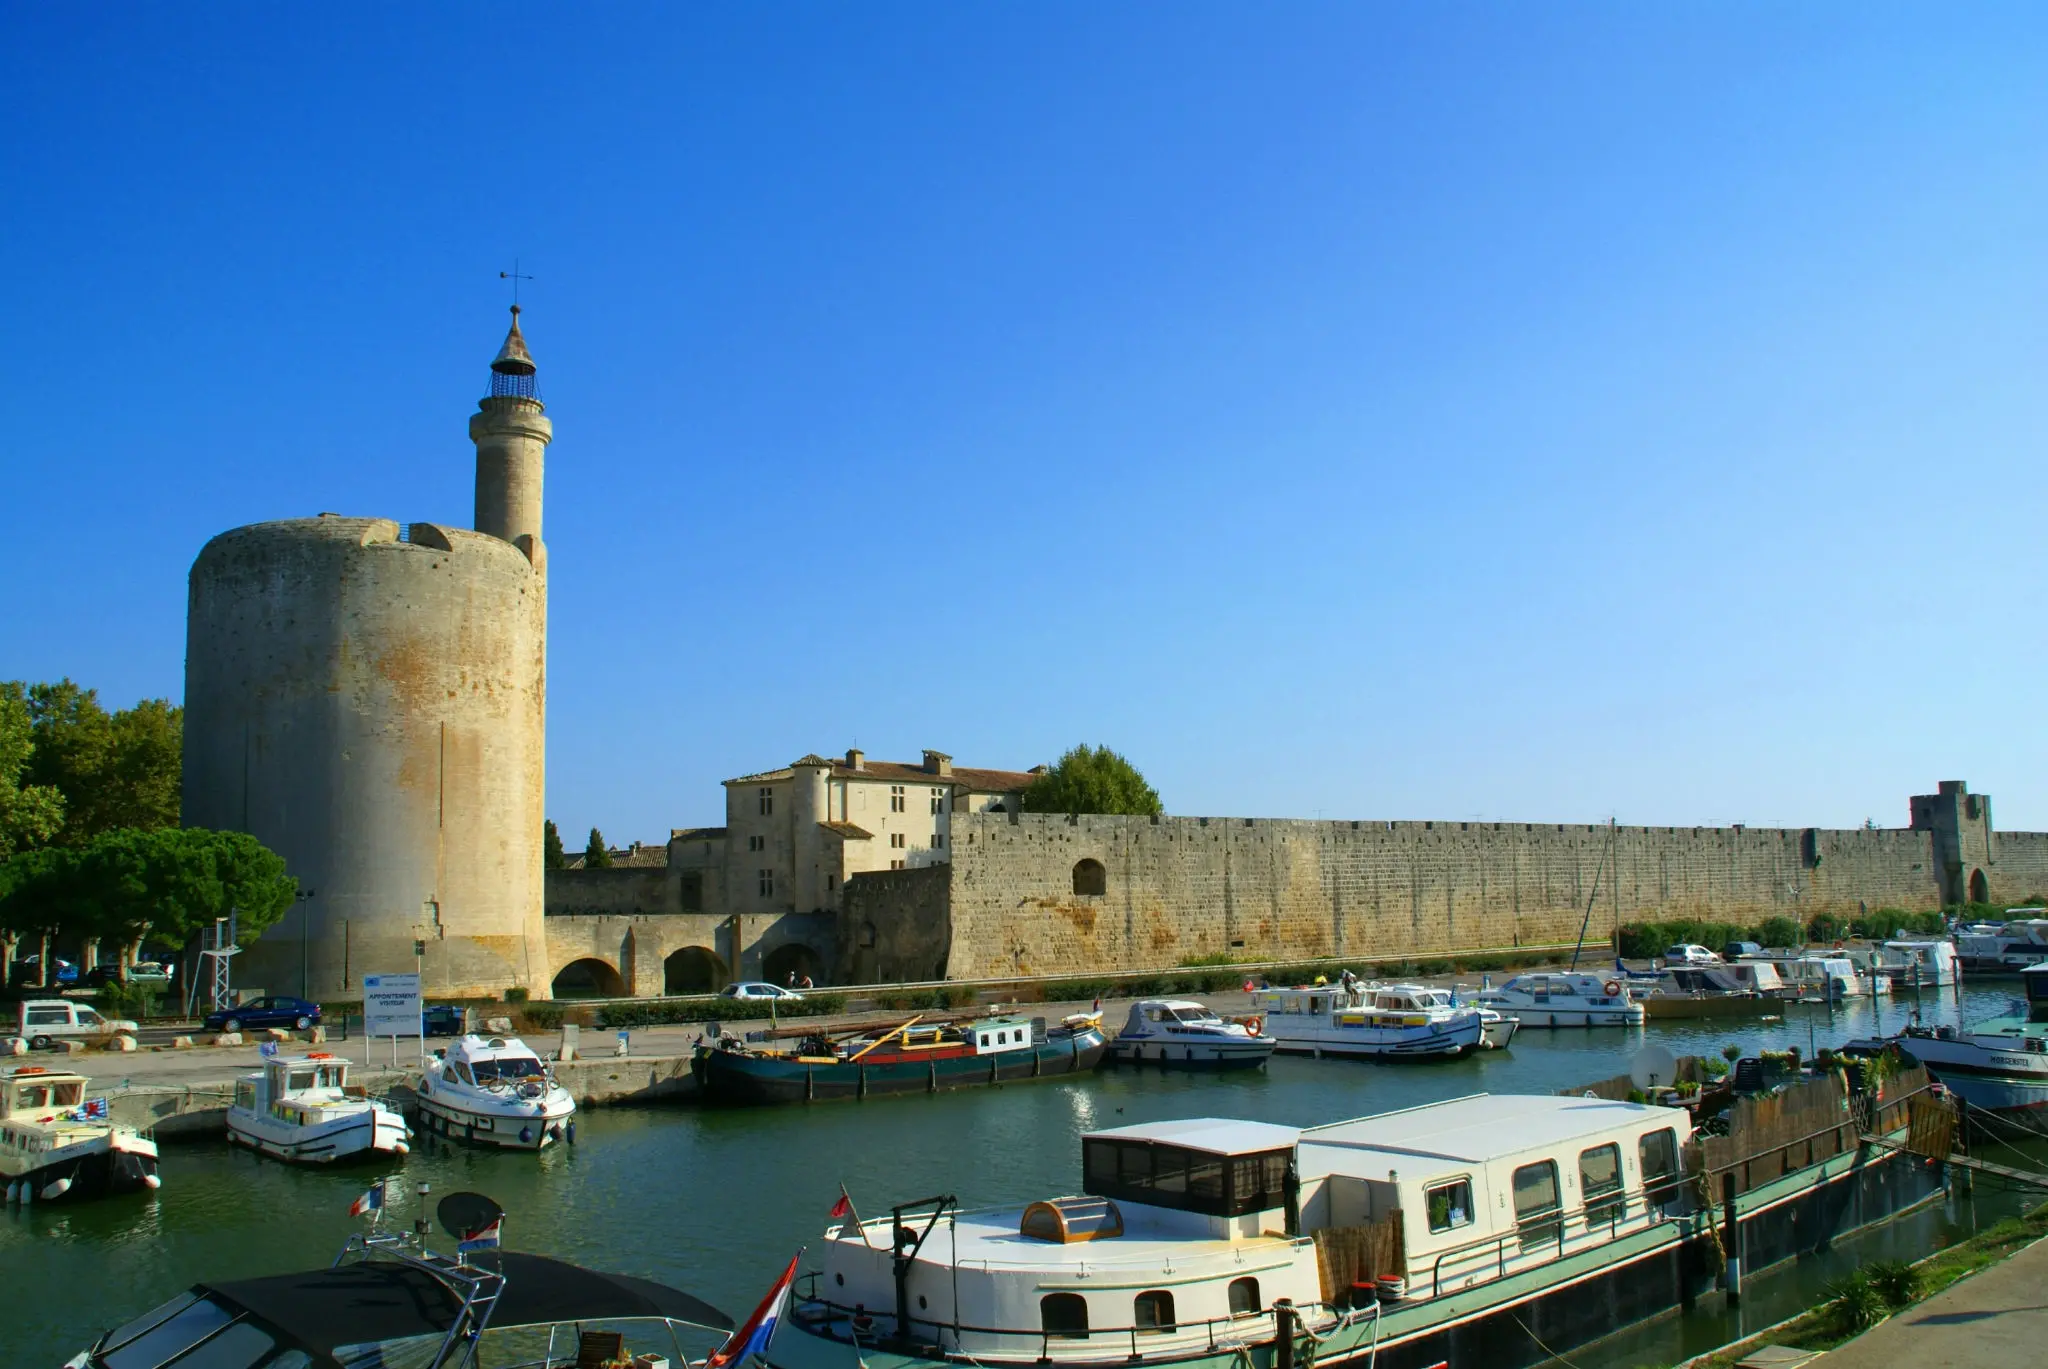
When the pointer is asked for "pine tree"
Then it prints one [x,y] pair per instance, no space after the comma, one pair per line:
[551,854]
[597,856]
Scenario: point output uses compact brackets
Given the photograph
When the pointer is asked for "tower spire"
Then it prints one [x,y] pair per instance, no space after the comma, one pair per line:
[512,370]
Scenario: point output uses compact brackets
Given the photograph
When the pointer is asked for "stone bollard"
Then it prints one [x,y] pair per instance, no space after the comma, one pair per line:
[316,1035]
[120,1041]
[277,1034]
[13,1045]
[499,1026]
[69,1046]
[228,1039]
[181,1043]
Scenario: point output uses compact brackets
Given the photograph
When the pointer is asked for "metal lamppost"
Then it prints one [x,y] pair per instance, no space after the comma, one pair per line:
[305,896]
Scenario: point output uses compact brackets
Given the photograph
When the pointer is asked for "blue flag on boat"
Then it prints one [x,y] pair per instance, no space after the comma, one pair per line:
[373,1201]
[92,1110]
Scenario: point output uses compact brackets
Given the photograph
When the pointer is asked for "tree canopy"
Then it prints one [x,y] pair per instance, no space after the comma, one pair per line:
[113,770]
[1092,779]
[30,814]
[596,855]
[552,857]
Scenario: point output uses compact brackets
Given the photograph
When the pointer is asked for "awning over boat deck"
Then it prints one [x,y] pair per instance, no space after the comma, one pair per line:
[1211,1135]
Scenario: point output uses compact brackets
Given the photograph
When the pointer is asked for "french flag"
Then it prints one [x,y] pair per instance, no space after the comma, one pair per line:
[373,1201]
[753,1336]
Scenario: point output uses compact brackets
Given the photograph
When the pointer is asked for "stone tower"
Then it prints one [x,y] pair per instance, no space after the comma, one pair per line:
[370,701]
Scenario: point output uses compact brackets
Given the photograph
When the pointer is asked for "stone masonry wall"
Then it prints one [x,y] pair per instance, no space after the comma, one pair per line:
[1182,888]
[895,927]
[627,889]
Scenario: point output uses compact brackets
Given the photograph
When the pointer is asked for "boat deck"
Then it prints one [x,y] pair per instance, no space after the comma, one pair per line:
[990,1239]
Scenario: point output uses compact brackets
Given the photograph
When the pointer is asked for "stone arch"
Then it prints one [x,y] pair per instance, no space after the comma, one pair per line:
[693,969]
[790,957]
[589,978]
[1980,888]
[1090,877]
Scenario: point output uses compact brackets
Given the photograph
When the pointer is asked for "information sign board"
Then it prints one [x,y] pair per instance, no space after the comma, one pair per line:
[391,1005]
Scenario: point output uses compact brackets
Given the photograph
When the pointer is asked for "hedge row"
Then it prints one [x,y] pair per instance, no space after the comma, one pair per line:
[653,1012]
[1640,940]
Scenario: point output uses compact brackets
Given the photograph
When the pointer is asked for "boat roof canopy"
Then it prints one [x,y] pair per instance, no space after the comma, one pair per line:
[473,1047]
[1211,1135]
[379,1300]
[1470,1131]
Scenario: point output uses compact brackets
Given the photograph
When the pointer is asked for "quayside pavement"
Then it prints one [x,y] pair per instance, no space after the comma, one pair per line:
[1995,1319]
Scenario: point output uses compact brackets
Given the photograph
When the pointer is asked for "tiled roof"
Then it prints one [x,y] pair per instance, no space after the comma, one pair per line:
[848,831]
[900,772]
[695,833]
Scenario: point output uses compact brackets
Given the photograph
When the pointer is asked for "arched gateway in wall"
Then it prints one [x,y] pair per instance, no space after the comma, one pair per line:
[589,978]
[693,969]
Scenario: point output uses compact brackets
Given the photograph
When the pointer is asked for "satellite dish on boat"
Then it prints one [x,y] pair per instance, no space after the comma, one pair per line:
[1654,1067]
[463,1215]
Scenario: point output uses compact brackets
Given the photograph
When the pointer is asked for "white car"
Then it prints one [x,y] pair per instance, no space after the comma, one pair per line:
[1690,955]
[44,1021]
[757,992]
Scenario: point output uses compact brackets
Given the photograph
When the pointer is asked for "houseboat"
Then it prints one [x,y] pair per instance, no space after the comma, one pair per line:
[2000,1064]
[56,1145]
[496,1092]
[2014,945]
[916,1056]
[1915,964]
[1392,1021]
[1727,990]
[1554,998]
[302,1108]
[1183,1033]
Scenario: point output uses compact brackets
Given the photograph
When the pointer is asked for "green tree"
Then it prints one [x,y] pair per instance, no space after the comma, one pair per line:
[114,770]
[1092,779]
[30,814]
[596,855]
[551,855]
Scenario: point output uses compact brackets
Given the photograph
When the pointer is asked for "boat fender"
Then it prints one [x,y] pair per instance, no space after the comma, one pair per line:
[56,1189]
[401,1148]
[1612,988]
[525,1135]
[570,1133]
[153,1181]
[1255,1024]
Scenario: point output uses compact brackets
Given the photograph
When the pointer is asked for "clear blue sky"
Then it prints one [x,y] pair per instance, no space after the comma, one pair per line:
[1357,410]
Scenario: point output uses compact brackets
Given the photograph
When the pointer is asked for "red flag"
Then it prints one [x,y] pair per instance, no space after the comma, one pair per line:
[843,1207]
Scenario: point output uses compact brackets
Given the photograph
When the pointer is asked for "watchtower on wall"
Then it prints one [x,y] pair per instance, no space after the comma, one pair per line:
[370,701]
[1961,826]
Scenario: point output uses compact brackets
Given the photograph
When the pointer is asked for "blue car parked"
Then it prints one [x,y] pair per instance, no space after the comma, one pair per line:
[274,1011]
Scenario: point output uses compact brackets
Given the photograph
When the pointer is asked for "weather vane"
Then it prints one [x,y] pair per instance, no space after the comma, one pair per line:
[514,276]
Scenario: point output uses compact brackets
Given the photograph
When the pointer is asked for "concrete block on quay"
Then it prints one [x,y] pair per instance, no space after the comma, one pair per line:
[181,1043]
[228,1039]
[13,1045]
[119,1041]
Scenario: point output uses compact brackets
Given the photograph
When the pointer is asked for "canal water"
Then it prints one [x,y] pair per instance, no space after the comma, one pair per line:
[715,1201]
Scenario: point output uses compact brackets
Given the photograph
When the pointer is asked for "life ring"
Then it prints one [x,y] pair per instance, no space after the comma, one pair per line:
[1612,988]
[1255,1024]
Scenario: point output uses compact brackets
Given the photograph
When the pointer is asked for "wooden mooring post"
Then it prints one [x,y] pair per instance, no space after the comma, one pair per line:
[1731,1241]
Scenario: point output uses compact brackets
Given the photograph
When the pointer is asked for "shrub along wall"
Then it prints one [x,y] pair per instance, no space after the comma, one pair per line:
[1641,940]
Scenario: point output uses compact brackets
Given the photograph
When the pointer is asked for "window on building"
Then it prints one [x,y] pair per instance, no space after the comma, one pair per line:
[1153,1311]
[1450,1205]
[896,798]
[896,865]
[938,800]
[1658,1153]
[767,884]
[1064,1316]
[1536,1204]
[691,890]
[1600,1186]
[757,843]
[767,800]
[828,882]
[1090,877]
[1244,1297]
[938,839]
[898,839]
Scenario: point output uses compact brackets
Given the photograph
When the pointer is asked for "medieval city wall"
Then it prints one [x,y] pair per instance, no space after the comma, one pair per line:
[1177,889]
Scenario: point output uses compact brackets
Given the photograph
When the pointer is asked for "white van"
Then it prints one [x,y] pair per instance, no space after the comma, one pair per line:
[43,1021]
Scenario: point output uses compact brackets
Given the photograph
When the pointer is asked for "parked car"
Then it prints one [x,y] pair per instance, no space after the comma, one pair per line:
[270,1011]
[1690,955]
[1735,950]
[148,973]
[441,1019]
[756,992]
[43,1021]
[28,970]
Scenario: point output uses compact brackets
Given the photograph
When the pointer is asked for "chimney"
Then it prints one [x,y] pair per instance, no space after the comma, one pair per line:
[938,763]
[856,759]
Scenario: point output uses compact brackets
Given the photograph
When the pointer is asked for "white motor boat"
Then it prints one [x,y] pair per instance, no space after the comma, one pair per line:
[2000,1064]
[1561,998]
[2018,943]
[1409,1021]
[54,1144]
[495,1091]
[1181,1032]
[302,1108]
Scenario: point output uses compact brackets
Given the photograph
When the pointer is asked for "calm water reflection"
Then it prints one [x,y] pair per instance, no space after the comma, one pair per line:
[716,1200]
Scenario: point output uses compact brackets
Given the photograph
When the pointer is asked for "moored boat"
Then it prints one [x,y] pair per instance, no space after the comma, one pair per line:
[1189,1035]
[494,1091]
[58,1145]
[916,1056]
[1390,1021]
[1562,998]
[302,1108]
[2000,1064]
[2014,944]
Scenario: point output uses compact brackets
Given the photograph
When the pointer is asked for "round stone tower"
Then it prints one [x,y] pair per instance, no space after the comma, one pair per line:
[370,701]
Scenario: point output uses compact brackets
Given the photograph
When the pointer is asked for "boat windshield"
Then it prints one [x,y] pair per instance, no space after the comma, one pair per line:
[507,1069]
[1195,1015]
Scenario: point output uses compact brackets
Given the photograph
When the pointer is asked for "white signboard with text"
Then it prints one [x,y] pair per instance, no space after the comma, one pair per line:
[391,1005]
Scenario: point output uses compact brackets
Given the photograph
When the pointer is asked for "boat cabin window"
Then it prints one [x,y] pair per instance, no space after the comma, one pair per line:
[158,1337]
[1658,1153]
[1153,1311]
[245,1095]
[462,1072]
[300,1079]
[508,1068]
[1064,1316]
[1600,1186]
[66,1093]
[32,1096]
[1536,1204]
[1244,1297]
[1450,1205]
[1195,1015]
[1189,1180]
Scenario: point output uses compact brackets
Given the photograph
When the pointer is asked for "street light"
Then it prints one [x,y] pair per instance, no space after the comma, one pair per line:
[305,896]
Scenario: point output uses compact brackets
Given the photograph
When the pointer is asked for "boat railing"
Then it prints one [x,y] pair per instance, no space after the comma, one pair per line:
[1238,1256]
[1865,1115]
[870,1330]
[1550,1235]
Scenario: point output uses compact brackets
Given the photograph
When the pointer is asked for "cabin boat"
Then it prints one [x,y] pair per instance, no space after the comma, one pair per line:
[1918,964]
[1830,978]
[1181,1032]
[302,1108]
[1390,1021]
[55,1145]
[1558,998]
[2001,1063]
[1727,990]
[494,1091]
[391,1300]
[2013,945]
[1397,1240]
[915,1056]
